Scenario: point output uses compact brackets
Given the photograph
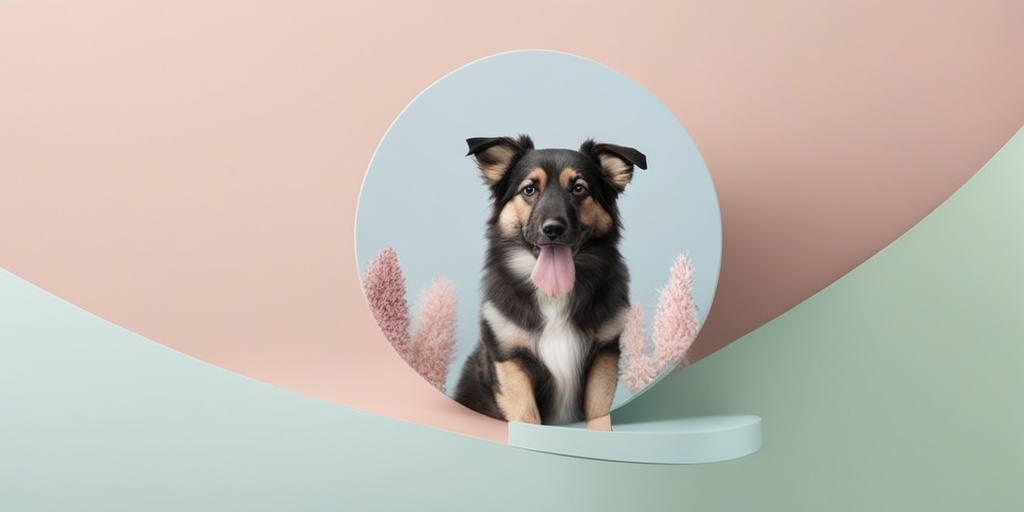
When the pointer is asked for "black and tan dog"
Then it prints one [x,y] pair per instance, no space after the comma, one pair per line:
[555,287]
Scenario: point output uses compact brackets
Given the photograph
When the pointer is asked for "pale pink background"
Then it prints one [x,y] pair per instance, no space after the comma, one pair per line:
[189,170]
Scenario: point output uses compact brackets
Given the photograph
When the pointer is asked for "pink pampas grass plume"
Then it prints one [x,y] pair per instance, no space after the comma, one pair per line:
[638,366]
[675,322]
[435,333]
[429,350]
[384,287]
[675,327]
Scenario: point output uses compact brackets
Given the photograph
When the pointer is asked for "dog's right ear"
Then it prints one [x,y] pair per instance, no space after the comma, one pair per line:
[495,155]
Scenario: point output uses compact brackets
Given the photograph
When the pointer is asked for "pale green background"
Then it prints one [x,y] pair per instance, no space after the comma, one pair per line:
[896,388]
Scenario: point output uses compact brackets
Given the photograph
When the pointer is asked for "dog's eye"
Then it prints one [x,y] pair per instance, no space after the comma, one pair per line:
[529,190]
[579,189]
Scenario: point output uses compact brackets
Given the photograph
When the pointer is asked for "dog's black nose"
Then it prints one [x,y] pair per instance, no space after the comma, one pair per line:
[553,228]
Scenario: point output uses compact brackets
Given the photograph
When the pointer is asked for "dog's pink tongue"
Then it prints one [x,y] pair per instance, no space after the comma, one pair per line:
[554,272]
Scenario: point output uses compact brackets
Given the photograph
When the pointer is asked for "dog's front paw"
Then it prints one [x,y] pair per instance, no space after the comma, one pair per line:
[515,393]
[530,415]
[600,423]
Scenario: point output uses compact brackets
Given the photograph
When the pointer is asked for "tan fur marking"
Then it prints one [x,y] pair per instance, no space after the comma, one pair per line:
[516,213]
[508,221]
[500,154]
[515,393]
[600,423]
[601,381]
[522,211]
[613,327]
[617,170]
[539,177]
[595,217]
[514,216]
[568,175]
[591,213]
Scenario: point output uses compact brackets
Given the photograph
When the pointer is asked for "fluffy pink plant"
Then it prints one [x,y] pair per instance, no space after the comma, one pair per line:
[638,366]
[675,327]
[384,286]
[675,322]
[434,338]
[429,350]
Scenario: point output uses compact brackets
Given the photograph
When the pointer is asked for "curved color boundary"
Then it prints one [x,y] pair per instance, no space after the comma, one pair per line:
[890,416]
[191,173]
[895,388]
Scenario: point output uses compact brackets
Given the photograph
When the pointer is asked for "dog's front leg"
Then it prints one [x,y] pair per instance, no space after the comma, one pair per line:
[600,390]
[515,393]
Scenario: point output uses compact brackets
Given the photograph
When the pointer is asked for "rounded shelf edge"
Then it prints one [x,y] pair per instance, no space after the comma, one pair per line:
[698,440]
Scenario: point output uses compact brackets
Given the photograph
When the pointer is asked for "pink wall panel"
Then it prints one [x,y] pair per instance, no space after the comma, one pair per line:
[190,170]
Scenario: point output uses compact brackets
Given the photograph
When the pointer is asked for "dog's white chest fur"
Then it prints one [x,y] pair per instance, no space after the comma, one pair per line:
[561,348]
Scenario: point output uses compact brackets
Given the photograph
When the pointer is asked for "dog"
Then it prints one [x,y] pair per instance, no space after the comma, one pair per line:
[555,286]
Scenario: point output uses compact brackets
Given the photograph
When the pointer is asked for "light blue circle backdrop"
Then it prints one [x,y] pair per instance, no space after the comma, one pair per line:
[426,199]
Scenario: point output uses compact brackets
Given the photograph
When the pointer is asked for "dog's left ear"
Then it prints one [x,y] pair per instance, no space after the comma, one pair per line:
[617,162]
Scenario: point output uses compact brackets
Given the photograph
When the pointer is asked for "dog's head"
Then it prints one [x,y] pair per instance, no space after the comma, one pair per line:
[554,202]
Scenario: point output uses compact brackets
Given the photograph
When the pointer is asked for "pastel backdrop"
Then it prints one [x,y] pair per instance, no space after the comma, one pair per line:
[868,398]
[190,173]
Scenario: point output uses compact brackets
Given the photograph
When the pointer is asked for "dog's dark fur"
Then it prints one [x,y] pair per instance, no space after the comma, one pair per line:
[541,359]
